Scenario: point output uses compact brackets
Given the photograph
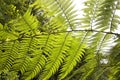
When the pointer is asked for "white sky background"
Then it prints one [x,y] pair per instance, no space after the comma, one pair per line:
[79,5]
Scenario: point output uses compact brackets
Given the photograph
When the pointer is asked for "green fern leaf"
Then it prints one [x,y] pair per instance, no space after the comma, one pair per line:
[75,56]
[25,24]
[57,56]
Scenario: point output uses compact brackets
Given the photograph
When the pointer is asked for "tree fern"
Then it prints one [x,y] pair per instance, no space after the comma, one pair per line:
[43,40]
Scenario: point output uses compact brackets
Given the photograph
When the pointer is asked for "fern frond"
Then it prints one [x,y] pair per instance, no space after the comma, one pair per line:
[38,59]
[93,22]
[85,68]
[46,41]
[6,34]
[90,13]
[75,55]
[29,47]
[57,56]
[115,61]
[63,8]
[88,68]
[106,19]
[35,68]
[26,23]
[30,58]
[8,55]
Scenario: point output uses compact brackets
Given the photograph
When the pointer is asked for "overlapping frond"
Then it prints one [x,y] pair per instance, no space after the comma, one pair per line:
[107,18]
[26,23]
[101,20]
[74,56]
[60,9]
[18,53]
[97,21]
[6,34]
[9,51]
[61,46]
[115,61]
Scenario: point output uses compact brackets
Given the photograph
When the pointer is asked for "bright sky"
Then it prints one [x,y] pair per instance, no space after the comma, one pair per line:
[79,4]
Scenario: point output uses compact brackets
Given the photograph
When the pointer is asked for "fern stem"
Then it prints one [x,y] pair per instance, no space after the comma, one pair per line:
[47,40]
[61,47]
[89,30]
[94,14]
[76,52]
[82,41]
[99,47]
[30,42]
[29,26]
[10,58]
[84,30]
[113,14]
[55,60]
